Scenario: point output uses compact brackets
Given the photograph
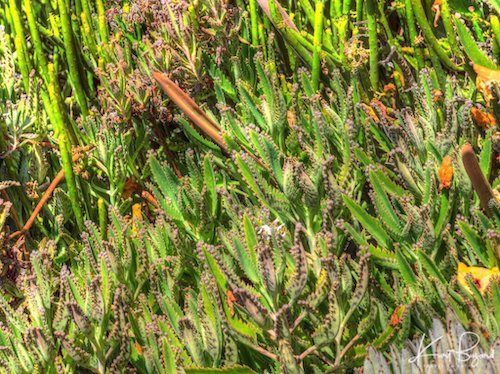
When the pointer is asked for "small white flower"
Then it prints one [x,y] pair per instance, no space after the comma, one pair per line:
[265,229]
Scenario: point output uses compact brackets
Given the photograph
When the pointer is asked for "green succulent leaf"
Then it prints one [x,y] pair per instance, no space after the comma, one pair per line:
[368,222]
[228,370]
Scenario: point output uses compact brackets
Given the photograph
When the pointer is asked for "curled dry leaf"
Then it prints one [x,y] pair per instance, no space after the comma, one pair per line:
[130,188]
[477,178]
[436,8]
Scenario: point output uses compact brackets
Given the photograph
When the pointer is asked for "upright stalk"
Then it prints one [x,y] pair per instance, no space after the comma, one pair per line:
[72,57]
[37,42]
[254,22]
[359,10]
[41,59]
[59,116]
[317,44]
[65,149]
[20,44]
[372,42]
[308,10]
[103,26]
[412,30]
[88,14]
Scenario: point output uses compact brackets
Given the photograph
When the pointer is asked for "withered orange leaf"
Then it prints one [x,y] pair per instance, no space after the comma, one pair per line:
[149,198]
[482,119]
[438,94]
[290,117]
[204,123]
[390,87]
[446,173]
[230,302]
[130,188]
[394,320]
[197,116]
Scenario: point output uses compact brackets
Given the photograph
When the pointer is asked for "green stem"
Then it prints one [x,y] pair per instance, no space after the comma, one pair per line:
[20,44]
[273,11]
[41,59]
[308,10]
[346,7]
[342,23]
[359,10]
[103,26]
[419,12]
[495,26]
[262,37]
[372,42]
[65,149]
[438,74]
[37,42]
[412,30]
[254,22]
[317,44]
[88,34]
[72,57]
[88,15]
[337,8]
[59,122]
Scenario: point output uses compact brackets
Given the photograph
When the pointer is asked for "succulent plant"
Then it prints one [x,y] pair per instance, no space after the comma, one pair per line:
[248,186]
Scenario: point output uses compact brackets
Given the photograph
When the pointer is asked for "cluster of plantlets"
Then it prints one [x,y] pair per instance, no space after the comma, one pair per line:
[247,186]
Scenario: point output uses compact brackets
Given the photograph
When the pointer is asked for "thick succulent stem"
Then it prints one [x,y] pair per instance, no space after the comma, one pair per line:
[72,57]
[413,34]
[67,163]
[20,44]
[373,43]
[254,22]
[318,37]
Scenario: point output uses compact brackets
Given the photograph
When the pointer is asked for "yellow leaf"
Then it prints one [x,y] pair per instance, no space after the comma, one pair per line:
[481,276]
[486,78]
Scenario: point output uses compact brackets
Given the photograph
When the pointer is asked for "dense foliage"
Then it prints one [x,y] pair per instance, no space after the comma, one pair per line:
[248,186]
